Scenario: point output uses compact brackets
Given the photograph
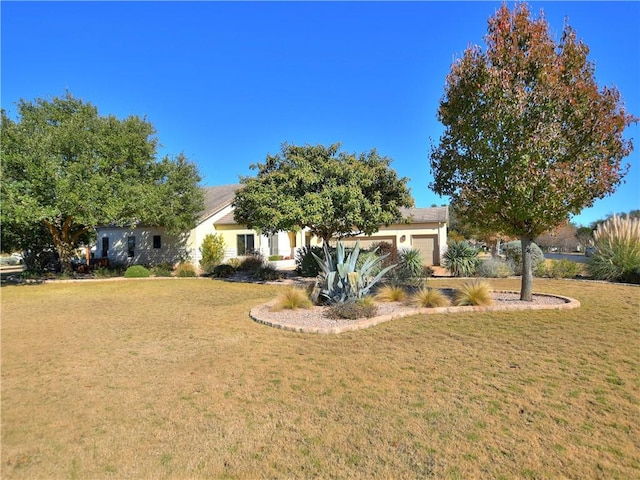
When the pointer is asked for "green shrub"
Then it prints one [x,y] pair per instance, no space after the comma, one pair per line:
[137,271]
[185,269]
[562,269]
[494,268]
[223,271]
[235,262]
[275,258]
[267,273]
[306,264]
[429,298]
[352,310]
[617,250]
[391,293]
[461,259]
[251,263]
[474,293]
[162,270]
[386,248]
[513,255]
[292,299]
[212,251]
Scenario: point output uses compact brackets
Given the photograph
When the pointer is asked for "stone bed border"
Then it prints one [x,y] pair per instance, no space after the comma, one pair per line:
[569,303]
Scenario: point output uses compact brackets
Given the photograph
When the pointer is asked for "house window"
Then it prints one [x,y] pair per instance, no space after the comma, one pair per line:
[105,247]
[245,244]
[131,246]
[157,242]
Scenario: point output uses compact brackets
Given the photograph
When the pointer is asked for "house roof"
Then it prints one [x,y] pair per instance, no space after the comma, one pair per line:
[219,197]
[216,198]
[426,215]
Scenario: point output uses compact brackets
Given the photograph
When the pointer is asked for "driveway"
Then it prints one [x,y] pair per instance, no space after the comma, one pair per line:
[574,257]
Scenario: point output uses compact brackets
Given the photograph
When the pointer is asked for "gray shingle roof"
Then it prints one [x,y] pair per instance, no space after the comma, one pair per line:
[216,198]
[426,215]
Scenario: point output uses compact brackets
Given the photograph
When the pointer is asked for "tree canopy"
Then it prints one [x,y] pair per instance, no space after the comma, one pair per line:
[529,137]
[330,192]
[69,169]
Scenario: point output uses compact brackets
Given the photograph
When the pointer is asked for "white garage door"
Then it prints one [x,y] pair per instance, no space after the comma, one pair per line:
[428,246]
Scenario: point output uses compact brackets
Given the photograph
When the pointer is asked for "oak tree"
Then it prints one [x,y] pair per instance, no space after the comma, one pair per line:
[67,169]
[529,136]
[331,192]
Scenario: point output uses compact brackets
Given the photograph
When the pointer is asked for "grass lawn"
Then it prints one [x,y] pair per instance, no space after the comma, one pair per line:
[171,379]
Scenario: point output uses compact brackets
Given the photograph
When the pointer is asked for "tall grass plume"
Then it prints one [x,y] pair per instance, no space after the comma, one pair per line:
[476,293]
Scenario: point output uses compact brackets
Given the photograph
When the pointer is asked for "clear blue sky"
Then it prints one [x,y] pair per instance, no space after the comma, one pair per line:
[227,83]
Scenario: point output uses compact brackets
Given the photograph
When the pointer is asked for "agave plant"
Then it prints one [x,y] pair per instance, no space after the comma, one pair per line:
[341,280]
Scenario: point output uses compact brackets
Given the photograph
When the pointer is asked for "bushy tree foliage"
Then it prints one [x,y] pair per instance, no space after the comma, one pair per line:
[330,192]
[69,169]
[529,137]
[212,251]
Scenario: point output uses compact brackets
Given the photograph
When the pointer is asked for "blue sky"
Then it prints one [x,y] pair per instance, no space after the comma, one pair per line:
[227,82]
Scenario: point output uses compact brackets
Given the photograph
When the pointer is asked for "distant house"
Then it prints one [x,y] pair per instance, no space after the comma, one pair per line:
[426,231]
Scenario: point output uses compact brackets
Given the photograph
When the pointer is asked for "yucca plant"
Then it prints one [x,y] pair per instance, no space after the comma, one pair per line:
[340,281]
[461,259]
[292,299]
[474,293]
[429,298]
[391,293]
[617,250]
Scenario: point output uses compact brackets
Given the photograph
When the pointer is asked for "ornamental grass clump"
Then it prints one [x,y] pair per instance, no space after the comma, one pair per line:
[617,250]
[186,269]
[292,299]
[562,269]
[461,259]
[429,298]
[391,293]
[478,294]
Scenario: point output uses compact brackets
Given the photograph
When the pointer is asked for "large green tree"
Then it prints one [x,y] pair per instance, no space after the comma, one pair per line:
[68,169]
[529,137]
[331,192]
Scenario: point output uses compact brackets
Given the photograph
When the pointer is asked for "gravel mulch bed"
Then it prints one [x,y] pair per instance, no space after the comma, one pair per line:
[313,320]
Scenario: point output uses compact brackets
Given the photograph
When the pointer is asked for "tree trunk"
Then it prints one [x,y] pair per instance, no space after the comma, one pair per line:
[64,239]
[526,288]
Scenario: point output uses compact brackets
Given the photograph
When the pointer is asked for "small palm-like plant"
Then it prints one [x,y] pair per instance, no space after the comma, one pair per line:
[474,293]
[292,299]
[429,298]
[391,293]
[461,259]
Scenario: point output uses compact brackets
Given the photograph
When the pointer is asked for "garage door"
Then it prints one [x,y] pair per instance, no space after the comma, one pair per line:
[428,246]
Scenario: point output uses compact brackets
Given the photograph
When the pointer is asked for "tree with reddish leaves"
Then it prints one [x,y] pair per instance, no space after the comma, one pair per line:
[529,136]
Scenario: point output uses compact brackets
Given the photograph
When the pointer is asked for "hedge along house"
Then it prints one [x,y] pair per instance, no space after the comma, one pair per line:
[425,230]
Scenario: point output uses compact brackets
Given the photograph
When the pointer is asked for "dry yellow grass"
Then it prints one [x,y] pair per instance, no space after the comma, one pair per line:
[171,379]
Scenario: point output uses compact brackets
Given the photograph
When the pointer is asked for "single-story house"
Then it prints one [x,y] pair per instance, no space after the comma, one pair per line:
[426,230]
